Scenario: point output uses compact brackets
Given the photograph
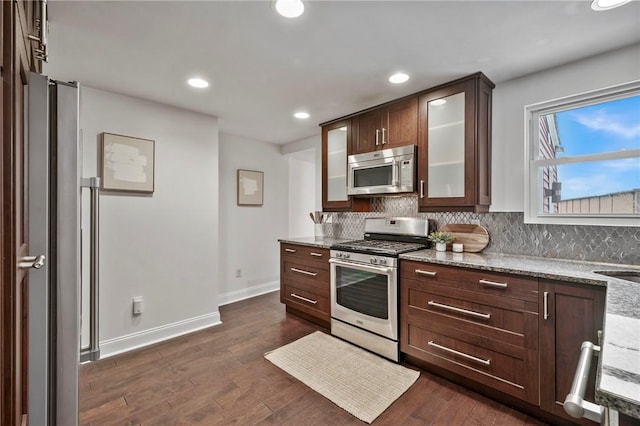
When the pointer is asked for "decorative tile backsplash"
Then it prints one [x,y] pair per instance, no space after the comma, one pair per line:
[509,234]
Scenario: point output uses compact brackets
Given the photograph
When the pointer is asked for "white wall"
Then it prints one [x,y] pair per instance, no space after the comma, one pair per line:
[302,192]
[163,246]
[249,234]
[510,98]
[315,143]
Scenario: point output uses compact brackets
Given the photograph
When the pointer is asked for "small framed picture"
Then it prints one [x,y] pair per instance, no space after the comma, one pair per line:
[250,188]
[127,163]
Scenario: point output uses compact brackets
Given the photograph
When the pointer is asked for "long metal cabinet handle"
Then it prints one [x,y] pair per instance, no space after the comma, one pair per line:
[300,271]
[34,262]
[93,353]
[427,273]
[574,403]
[377,136]
[384,131]
[493,284]
[459,310]
[421,189]
[288,250]
[462,354]
[297,296]
[316,254]
[545,304]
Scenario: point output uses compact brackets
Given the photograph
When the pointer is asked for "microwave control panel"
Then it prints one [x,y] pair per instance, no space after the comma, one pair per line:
[406,172]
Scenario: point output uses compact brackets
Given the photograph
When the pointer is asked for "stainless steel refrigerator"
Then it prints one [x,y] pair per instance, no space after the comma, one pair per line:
[55,191]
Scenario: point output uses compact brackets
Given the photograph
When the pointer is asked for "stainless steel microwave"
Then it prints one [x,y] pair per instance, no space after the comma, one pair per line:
[388,171]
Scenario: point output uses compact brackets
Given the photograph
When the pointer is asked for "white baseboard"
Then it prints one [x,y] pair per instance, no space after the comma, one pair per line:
[137,340]
[246,293]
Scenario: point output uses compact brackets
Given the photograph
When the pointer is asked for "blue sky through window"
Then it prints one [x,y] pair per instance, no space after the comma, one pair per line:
[605,127]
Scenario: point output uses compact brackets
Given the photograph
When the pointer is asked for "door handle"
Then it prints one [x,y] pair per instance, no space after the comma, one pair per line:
[35,262]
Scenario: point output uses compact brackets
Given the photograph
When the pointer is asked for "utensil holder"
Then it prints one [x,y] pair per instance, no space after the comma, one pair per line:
[318,229]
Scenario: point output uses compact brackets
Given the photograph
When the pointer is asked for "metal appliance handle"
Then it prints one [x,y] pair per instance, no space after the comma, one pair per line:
[574,403]
[92,353]
[362,267]
[34,262]
[395,173]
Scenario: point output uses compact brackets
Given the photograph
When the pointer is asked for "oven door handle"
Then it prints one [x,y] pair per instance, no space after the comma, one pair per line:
[366,268]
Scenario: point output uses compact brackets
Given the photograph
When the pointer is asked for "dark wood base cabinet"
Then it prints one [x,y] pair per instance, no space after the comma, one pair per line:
[571,315]
[480,325]
[514,338]
[304,282]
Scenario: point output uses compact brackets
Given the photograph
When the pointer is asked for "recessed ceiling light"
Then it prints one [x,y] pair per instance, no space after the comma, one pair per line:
[398,78]
[438,102]
[601,5]
[301,115]
[289,8]
[198,82]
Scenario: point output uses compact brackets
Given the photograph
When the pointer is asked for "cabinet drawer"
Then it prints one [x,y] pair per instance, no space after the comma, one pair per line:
[506,318]
[318,256]
[302,296]
[507,372]
[306,273]
[428,272]
[506,285]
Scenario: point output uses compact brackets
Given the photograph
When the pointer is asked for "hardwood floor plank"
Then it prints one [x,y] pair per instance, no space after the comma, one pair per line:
[219,376]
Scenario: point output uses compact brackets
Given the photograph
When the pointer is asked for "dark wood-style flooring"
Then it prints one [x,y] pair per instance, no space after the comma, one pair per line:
[218,376]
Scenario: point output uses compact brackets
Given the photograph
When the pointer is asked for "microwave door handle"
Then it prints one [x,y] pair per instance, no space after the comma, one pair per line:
[395,174]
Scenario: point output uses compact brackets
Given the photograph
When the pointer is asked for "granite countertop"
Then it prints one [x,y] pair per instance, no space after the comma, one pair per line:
[322,242]
[618,381]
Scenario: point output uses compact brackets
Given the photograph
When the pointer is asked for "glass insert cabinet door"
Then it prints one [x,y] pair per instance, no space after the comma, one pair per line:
[337,164]
[446,147]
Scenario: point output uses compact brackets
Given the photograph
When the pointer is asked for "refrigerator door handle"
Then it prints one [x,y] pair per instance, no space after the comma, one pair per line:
[92,353]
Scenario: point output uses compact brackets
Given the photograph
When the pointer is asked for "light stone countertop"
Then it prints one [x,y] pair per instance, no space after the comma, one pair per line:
[618,381]
[321,242]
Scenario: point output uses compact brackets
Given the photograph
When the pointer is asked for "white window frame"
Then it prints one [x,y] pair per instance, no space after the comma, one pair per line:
[533,165]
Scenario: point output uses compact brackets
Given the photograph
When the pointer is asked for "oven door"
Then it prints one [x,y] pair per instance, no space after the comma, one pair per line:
[365,296]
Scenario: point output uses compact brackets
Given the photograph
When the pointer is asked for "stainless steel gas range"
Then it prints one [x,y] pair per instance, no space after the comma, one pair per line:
[364,282]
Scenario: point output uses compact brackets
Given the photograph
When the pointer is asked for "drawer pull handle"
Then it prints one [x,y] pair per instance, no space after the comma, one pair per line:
[297,296]
[493,284]
[427,273]
[459,310]
[545,304]
[316,254]
[288,250]
[462,354]
[300,271]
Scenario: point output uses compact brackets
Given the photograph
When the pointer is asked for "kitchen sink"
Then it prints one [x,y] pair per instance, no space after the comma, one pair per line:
[629,275]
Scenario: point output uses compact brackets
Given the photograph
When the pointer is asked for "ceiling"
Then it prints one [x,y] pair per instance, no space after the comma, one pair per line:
[332,61]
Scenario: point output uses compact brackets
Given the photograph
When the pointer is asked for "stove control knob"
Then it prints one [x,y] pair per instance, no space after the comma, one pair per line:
[339,255]
[374,260]
[382,261]
[346,255]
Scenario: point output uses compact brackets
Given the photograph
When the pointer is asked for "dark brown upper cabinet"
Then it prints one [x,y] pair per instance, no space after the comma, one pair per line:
[388,126]
[454,154]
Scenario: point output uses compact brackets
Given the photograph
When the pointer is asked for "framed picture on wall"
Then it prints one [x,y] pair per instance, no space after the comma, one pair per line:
[250,188]
[127,163]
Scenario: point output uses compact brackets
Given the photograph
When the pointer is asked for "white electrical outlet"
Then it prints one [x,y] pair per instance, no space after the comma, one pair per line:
[238,273]
[137,305]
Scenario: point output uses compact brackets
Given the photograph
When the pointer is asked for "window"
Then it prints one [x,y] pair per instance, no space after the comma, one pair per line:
[583,159]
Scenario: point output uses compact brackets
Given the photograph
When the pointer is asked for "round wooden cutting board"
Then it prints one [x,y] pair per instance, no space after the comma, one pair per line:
[474,237]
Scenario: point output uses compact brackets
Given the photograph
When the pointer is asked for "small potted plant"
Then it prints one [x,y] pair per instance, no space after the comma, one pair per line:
[441,239]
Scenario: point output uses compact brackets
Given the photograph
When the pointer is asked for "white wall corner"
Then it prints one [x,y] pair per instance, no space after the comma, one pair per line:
[115,346]
[247,293]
